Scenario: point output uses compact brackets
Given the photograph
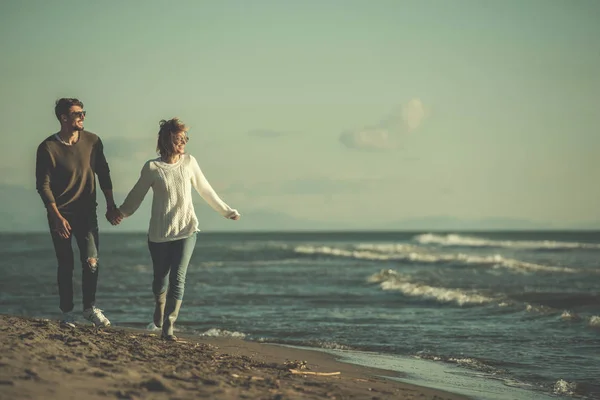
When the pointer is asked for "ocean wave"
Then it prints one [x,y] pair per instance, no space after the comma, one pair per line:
[392,280]
[593,321]
[495,260]
[560,387]
[558,300]
[317,344]
[466,362]
[215,332]
[328,345]
[453,240]
[388,247]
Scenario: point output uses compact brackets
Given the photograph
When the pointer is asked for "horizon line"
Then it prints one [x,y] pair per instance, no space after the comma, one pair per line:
[321,231]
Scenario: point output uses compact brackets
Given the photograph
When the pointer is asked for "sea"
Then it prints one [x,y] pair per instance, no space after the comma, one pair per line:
[492,315]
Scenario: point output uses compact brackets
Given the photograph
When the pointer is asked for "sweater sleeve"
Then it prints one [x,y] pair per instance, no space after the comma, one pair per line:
[206,191]
[101,167]
[43,167]
[138,192]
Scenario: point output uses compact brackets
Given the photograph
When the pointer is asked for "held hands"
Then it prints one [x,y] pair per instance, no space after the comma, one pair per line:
[114,216]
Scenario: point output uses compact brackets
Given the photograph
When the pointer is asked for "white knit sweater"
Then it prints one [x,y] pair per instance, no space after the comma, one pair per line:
[173,215]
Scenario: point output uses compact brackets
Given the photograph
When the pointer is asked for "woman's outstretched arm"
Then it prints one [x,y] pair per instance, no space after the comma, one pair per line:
[138,192]
[209,195]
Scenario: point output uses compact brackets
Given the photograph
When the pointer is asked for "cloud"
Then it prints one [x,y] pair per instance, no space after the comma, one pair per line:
[413,113]
[266,133]
[369,139]
[388,133]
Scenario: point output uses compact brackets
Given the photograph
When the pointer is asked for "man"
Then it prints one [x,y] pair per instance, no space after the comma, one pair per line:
[66,167]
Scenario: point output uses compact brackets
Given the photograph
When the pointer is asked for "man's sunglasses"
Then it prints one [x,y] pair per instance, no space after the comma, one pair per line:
[79,114]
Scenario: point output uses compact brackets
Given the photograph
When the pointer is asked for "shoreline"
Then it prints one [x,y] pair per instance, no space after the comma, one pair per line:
[39,359]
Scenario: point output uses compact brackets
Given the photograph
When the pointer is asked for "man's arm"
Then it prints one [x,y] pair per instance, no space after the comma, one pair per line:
[43,167]
[110,201]
[113,215]
[103,172]
[59,224]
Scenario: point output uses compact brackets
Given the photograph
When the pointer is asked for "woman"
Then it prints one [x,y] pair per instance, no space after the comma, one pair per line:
[173,223]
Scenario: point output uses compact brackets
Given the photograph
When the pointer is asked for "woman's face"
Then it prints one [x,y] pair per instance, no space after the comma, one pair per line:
[179,141]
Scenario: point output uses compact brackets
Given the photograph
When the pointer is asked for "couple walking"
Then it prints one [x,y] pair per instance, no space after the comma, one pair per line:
[67,163]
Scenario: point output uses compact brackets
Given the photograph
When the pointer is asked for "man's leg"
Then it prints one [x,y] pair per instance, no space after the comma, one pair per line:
[181,254]
[64,257]
[86,234]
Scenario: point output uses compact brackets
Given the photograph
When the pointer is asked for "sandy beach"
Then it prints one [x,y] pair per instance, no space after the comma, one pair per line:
[42,360]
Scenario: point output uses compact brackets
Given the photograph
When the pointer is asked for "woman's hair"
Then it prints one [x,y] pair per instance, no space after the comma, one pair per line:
[168,129]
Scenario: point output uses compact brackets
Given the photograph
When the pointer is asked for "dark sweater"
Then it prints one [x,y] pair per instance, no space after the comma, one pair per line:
[65,175]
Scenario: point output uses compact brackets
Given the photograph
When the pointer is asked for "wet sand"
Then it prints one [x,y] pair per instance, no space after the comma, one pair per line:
[40,359]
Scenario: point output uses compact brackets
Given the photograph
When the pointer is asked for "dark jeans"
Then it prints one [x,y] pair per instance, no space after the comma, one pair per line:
[170,261]
[84,227]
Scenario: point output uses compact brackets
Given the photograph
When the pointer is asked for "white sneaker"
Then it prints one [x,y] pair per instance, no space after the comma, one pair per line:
[96,317]
[152,327]
[68,320]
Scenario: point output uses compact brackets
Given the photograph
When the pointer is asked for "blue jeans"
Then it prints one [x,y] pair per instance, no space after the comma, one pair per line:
[170,261]
[84,227]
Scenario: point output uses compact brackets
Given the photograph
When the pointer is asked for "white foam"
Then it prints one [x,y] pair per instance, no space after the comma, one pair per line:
[331,345]
[495,260]
[564,387]
[595,321]
[469,241]
[387,247]
[539,309]
[215,332]
[382,276]
[391,280]
[473,364]
[334,251]
[570,316]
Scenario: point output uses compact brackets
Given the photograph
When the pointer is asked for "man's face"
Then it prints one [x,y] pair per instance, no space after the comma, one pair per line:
[75,118]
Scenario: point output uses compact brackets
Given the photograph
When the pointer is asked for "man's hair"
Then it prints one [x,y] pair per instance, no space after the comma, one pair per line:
[164,145]
[63,105]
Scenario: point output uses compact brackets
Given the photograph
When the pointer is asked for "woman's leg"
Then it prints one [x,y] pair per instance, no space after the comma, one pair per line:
[160,253]
[181,254]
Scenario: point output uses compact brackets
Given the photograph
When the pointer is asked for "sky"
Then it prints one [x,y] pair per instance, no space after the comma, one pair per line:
[336,114]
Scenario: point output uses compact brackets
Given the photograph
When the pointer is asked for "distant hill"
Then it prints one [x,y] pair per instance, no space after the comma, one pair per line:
[21,210]
[260,220]
[445,223]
